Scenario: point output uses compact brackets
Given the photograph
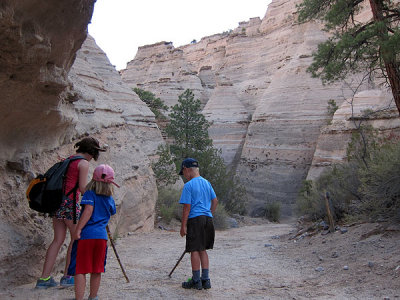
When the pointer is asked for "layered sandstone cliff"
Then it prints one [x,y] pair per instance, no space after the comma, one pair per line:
[52,95]
[266,110]
[370,108]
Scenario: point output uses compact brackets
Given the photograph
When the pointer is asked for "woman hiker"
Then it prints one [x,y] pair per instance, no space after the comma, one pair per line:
[63,219]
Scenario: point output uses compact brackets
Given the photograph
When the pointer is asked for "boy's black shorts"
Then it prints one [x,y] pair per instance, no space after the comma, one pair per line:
[200,234]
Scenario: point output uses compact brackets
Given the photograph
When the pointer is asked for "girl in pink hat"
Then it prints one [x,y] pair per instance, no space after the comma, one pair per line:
[89,251]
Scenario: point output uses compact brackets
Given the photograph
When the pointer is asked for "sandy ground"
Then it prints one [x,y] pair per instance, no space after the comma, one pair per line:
[260,261]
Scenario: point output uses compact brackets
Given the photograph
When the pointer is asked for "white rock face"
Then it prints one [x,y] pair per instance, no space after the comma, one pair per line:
[126,124]
[266,110]
[92,100]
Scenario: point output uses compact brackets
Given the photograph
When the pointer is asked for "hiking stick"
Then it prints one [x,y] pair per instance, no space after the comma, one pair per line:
[328,210]
[116,254]
[177,263]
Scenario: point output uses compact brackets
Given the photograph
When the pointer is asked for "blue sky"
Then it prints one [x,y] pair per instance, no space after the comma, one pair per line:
[121,26]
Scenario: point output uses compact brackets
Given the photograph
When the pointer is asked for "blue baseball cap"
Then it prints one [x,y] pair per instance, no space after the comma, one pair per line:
[189,163]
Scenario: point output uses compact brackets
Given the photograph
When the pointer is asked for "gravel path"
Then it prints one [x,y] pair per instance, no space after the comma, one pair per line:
[250,262]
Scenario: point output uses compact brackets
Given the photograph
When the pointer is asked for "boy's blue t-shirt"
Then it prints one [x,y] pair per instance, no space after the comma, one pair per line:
[103,209]
[198,192]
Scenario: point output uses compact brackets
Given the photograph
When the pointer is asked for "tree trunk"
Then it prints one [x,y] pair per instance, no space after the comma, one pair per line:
[392,67]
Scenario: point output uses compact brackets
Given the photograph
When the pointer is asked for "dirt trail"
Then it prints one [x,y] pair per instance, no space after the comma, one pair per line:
[250,262]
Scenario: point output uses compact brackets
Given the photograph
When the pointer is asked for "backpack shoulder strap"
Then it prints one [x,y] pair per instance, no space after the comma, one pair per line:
[75,158]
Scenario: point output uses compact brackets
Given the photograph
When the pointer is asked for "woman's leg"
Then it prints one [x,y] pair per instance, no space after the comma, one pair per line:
[60,230]
[95,279]
[71,227]
[80,284]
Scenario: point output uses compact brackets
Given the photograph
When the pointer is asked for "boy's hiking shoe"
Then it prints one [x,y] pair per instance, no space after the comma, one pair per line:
[45,284]
[191,284]
[206,284]
[67,281]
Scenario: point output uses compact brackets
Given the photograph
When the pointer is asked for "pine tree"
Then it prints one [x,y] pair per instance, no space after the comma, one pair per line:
[188,127]
[355,46]
[188,131]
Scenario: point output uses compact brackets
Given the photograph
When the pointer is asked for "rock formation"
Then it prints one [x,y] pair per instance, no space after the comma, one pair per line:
[52,95]
[266,110]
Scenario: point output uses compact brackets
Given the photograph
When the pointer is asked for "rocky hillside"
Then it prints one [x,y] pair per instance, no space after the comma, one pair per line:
[266,110]
[52,95]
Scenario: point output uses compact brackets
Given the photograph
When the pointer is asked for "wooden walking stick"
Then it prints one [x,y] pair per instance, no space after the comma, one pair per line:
[116,254]
[177,263]
[328,211]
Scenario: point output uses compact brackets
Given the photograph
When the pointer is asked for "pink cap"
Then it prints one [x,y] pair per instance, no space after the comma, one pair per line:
[104,173]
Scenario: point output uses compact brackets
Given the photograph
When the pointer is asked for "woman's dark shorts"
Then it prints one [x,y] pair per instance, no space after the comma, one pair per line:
[200,234]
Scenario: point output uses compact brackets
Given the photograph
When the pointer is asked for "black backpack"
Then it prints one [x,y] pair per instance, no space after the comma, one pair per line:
[46,192]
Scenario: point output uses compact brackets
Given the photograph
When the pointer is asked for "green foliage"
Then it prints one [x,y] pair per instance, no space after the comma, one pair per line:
[308,201]
[380,181]
[220,218]
[156,105]
[363,142]
[164,168]
[167,205]
[367,184]
[332,107]
[273,211]
[354,46]
[340,181]
[188,129]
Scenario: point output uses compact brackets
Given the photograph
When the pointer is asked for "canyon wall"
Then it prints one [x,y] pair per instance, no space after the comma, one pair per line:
[266,110]
[53,95]
[334,138]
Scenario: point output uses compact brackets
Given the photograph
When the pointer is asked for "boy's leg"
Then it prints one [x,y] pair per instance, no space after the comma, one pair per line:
[204,259]
[195,260]
[194,282]
[80,284]
[95,279]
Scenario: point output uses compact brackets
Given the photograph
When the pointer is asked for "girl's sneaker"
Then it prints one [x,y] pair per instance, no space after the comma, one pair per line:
[67,281]
[45,284]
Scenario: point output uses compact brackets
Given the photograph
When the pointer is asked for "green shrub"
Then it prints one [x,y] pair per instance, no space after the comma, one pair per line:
[340,181]
[380,181]
[167,205]
[220,217]
[155,104]
[367,185]
[273,211]
[308,201]
[332,107]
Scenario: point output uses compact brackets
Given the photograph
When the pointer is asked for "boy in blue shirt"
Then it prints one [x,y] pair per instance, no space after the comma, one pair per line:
[199,204]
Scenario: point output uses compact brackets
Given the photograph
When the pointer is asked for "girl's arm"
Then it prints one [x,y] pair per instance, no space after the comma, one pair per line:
[85,216]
